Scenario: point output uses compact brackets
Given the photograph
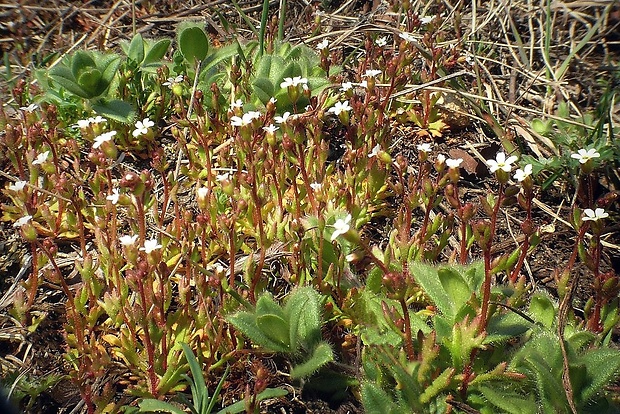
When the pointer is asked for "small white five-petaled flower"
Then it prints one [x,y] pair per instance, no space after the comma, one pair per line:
[381,41]
[30,108]
[294,81]
[425,147]
[453,163]
[107,136]
[128,240]
[522,174]
[346,86]
[339,107]
[341,227]
[142,127]
[150,246]
[371,73]
[501,162]
[170,82]
[594,215]
[316,186]
[41,158]
[375,151]
[270,129]
[282,119]
[322,45]
[21,221]
[246,119]
[585,155]
[114,196]
[18,185]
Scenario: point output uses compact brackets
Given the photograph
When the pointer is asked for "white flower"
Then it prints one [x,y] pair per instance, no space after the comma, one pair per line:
[316,186]
[346,86]
[501,162]
[97,120]
[202,192]
[21,221]
[425,147]
[339,107]
[128,240]
[245,120]
[83,123]
[297,80]
[453,163]
[323,44]
[522,174]
[107,136]
[381,41]
[441,158]
[30,108]
[363,84]
[273,100]
[282,119]
[18,186]
[371,73]
[142,127]
[375,151]
[270,129]
[41,158]
[594,215]
[584,156]
[341,227]
[407,36]
[222,177]
[426,19]
[150,246]
[170,82]
[114,196]
[237,104]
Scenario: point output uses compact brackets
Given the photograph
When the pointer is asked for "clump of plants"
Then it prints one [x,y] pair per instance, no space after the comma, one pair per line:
[250,239]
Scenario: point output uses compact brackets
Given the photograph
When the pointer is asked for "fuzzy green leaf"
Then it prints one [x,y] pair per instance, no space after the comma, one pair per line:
[193,44]
[275,328]
[157,51]
[455,287]
[118,110]
[240,406]
[507,401]
[438,385]
[603,367]
[322,355]
[136,49]
[542,309]
[303,310]
[155,406]
[64,77]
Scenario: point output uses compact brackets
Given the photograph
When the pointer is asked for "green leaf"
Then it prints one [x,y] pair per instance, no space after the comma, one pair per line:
[426,276]
[508,401]
[136,49]
[542,309]
[438,385]
[322,355]
[90,81]
[275,328]
[303,310]
[375,400]
[200,393]
[455,287]
[118,110]
[155,406]
[157,51]
[193,44]
[503,327]
[64,77]
[81,61]
[239,406]
[603,367]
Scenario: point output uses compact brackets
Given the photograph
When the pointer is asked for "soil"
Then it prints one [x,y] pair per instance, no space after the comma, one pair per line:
[29,33]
